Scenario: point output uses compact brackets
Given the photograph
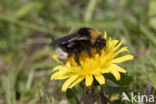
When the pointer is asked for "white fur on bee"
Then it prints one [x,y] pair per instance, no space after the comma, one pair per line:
[61,54]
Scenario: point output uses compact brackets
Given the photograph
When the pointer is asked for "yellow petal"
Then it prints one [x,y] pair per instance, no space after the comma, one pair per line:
[123,59]
[118,68]
[116,74]
[68,82]
[68,64]
[105,35]
[62,76]
[56,58]
[59,73]
[62,71]
[115,42]
[100,79]
[59,77]
[110,40]
[89,80]
[119,45]
[123,49]
[76,82]
[105,70]
[59,67]
[97,71]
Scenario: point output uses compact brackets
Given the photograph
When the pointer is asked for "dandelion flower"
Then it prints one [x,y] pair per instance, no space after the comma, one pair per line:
[95,66]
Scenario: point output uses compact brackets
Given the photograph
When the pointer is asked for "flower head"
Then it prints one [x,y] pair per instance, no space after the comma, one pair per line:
[94,66]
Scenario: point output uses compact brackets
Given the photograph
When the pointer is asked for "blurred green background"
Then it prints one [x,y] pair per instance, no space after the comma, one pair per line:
[28,26]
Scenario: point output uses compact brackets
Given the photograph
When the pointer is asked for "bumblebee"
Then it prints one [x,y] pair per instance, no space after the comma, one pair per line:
[84,39]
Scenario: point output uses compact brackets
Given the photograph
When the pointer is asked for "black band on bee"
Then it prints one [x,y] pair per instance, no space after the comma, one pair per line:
[84,31]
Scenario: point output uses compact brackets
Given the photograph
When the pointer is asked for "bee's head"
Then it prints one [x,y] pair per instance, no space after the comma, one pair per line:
[100,43]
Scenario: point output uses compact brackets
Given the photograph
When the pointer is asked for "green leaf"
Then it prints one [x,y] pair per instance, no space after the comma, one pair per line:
[28,8]
[72,99]
[23,24]
[152,7]
[125,80]
[150,35]
[111,83]
[152,79]
[153,22]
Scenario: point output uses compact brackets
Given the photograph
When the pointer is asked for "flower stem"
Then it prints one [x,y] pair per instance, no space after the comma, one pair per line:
[94,95]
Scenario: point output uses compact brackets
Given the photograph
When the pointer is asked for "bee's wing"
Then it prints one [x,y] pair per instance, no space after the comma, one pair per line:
[68,39]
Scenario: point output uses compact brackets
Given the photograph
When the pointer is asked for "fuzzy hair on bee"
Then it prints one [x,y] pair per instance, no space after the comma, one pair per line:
[84,39]
[63,55]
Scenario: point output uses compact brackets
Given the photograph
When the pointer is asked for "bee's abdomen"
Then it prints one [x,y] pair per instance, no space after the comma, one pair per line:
[62,54]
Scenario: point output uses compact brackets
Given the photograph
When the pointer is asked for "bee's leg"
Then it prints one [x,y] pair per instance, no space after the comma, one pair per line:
[89,51]
[98,50]
[76,53]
